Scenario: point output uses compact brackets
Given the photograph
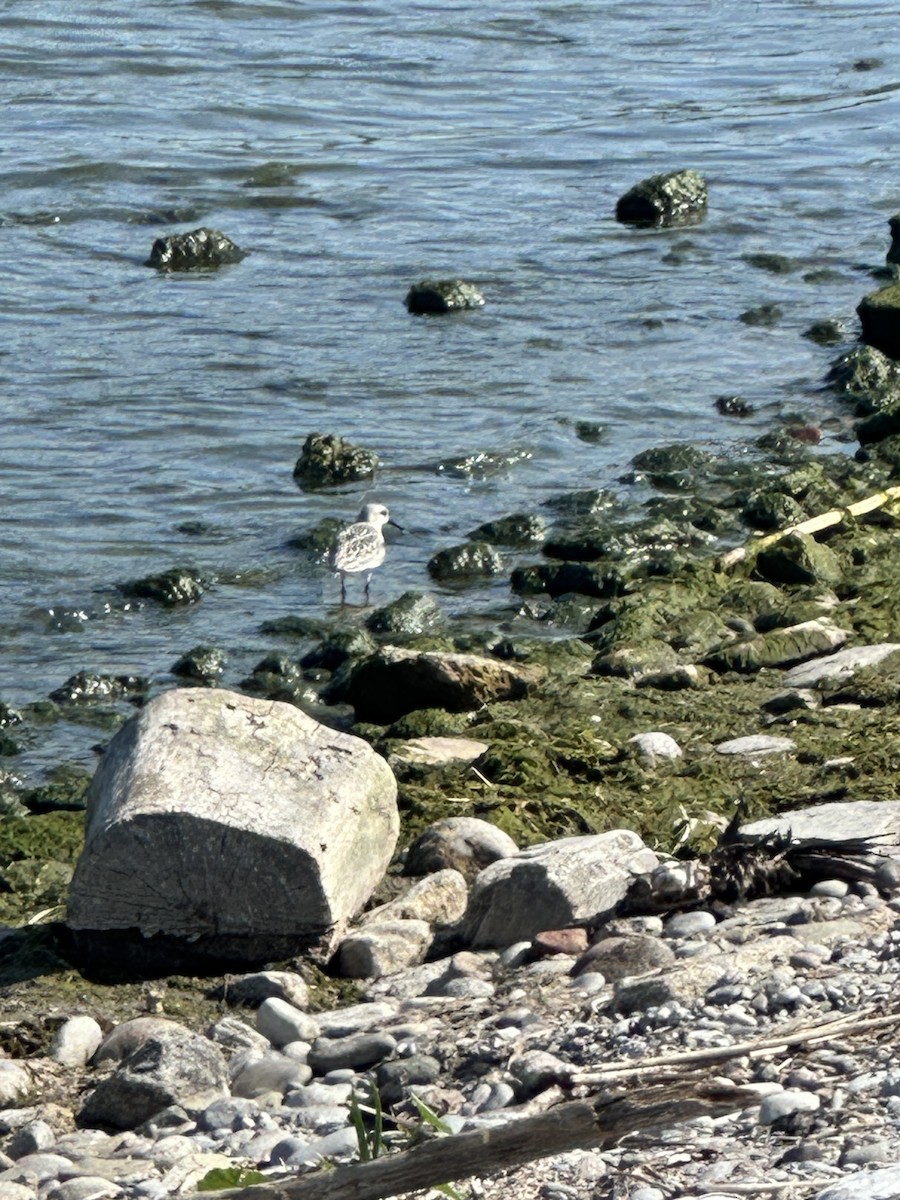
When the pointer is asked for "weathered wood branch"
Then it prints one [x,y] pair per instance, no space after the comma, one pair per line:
[812,525]
[596,1122]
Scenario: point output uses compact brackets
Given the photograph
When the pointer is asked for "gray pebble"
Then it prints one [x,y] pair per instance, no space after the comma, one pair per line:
[358,1051]
[689,924]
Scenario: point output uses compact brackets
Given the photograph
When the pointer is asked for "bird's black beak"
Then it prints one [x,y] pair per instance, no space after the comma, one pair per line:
[395,525]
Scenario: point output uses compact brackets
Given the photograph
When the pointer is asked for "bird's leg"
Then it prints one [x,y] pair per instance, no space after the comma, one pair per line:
[343,590]
[368,581]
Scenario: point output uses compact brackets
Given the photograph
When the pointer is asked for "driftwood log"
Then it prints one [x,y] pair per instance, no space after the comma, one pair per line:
[678,1089]
[835,516]
[597,1122]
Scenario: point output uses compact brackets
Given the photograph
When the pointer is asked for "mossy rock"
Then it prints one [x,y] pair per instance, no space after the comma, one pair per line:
[64,791]
[427,722]
[879,315]
[798,558]
[410,615]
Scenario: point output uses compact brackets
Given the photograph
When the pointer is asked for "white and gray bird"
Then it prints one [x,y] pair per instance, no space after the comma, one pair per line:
[360,547]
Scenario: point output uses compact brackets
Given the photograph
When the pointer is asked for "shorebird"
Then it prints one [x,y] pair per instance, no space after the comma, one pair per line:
[360,547]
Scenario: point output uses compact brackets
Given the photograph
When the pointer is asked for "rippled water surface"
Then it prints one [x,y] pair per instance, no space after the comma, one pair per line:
[353,148]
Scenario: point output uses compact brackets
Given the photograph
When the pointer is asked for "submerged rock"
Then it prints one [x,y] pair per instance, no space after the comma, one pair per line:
[327,459]
[180,585]
[200,249]
[467,561]
[671,198]
[442,296]
[90,687]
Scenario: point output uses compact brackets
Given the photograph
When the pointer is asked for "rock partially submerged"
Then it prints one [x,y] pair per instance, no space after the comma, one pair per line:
[671,198]
[239,828]
[879,315]
[327,460]
[201,249]
[433,296]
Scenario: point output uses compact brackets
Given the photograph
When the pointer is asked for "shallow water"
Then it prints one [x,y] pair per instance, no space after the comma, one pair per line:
[154,420]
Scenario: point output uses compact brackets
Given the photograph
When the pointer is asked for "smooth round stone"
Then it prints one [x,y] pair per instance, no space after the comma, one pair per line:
[229,1113]
[271,1073]
[515,955]
[38,1168]
[463,987]
[339,1075]
[648,1193]
[589,983]
[655,747]
[342,1143]
[358,1052]
[281,1023]
[316,1093]
[292,1151]
[689,924]
[836,888]
[76,1041]
[83,1187]
[785,1104]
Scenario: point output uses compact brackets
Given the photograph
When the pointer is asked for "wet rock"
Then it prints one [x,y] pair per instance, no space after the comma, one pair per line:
[552,885]
[774,264]
[558,579]
[672,468]
[764,314]
[470,560]
[339,648]
[177,1066]
[467,844]
[866,375]
[433,296]
[734,406]
[518,529]
[278,677]
[671,198]
[171,589]
[879,315]
[772,508]
[88,687]
[206,664]
[799,558]
[318,539]
[201,249]
[219,819]
[826,333]
[412,613]
[481,464]
[327,460]
[393,681]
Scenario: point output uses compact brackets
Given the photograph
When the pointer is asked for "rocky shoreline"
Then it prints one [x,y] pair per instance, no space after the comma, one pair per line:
[645,680]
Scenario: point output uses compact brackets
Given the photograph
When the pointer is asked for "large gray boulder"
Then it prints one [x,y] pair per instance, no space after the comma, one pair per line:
[176,1066]
[553,885]
[240,828]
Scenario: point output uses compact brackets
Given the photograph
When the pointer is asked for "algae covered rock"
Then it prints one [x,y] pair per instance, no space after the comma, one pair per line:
[173,588]
[394,681]
[799,558]
[201,249]
[433,296]
[673,467]
[879,315]
[327,460]
[518,529]
[205,664]
[779,647]
[410,614]
[470,560]
[671,198]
